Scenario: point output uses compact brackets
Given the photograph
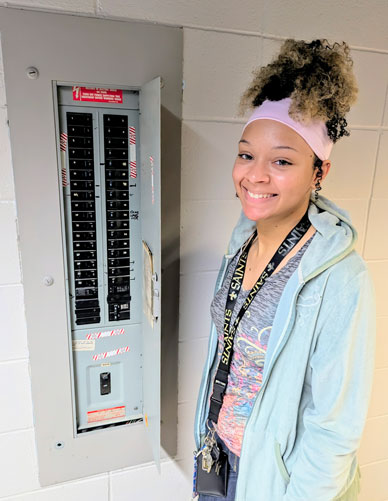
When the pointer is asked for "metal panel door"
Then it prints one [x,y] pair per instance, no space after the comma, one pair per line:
[151,218]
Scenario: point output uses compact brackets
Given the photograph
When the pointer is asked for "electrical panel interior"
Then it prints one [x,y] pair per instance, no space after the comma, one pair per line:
[99,134]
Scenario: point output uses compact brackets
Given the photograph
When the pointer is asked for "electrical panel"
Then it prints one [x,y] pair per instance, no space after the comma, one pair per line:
[95,233]
[112,288]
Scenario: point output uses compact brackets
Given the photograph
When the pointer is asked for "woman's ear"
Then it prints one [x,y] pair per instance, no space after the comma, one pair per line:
[325,168]
[319,175]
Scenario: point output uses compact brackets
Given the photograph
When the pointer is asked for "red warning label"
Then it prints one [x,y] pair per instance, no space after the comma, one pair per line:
[106,414]
[97,95]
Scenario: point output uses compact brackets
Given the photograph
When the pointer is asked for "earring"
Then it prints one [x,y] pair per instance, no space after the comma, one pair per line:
[318,186]
[236,195]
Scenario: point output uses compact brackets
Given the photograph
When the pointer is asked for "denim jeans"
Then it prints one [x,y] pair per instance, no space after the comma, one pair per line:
[233,461]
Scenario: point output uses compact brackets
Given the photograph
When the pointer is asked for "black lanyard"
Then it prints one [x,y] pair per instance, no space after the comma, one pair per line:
[221,378]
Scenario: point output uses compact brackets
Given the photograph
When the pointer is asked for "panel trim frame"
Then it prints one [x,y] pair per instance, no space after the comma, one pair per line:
[61,456]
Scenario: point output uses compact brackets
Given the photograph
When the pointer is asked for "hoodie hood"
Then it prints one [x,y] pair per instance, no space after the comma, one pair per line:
[335,236]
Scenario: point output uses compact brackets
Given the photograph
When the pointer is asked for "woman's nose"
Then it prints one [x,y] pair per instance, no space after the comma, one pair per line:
[258,172]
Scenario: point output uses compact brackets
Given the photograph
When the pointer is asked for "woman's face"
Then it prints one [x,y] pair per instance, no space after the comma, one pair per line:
[273,173]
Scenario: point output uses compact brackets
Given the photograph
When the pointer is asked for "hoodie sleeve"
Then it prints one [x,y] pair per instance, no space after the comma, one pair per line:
[342,366]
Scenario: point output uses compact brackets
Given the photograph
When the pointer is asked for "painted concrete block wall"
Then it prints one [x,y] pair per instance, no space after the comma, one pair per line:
[223,41]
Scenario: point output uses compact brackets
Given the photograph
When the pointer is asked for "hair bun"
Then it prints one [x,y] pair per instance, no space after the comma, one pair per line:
[317,76]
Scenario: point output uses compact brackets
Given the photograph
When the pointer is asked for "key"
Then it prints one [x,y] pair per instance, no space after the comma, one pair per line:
[215,453]
[207,463]
[207,460]
[209,451]
[218,467]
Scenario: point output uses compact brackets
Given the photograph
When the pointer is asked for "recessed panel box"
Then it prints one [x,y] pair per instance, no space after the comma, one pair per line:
[88,134]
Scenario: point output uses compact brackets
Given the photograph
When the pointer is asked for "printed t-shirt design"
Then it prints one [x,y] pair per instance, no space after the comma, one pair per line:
[250,346]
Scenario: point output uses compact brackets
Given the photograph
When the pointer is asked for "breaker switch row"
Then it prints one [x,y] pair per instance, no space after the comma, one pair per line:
[83,217]
[117,215]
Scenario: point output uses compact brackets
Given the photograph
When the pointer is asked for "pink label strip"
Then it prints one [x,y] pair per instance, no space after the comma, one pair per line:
[98,335]
[64,177]
[133,172]
[112,353]
[132,135]
[63,141]
[62,146]
[132,152]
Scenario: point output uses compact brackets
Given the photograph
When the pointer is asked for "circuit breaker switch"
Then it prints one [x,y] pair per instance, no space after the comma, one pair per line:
[105,383]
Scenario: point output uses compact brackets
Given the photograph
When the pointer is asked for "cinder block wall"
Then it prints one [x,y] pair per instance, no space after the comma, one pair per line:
[223,41]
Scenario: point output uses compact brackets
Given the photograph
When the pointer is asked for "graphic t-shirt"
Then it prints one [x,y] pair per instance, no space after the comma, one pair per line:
[250,346]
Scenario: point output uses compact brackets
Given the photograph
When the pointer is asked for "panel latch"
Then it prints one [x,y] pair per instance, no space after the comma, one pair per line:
[156,297]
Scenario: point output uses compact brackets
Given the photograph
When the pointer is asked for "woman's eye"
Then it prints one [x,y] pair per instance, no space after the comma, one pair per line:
[245,156]
[282,162]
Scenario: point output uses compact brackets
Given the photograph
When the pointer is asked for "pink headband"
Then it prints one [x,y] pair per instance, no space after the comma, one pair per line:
[315,133]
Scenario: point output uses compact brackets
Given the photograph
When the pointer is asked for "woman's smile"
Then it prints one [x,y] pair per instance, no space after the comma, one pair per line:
[259,197]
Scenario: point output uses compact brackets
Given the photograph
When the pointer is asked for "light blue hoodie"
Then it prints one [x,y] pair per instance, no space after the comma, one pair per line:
[306,424]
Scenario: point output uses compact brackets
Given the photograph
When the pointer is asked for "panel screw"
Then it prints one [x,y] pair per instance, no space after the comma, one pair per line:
[48,281]
[32,72]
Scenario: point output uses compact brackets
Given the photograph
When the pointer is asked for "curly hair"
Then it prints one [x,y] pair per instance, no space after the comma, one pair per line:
[317,76]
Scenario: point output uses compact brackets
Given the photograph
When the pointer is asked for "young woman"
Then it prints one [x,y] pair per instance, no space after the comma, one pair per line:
[286,384]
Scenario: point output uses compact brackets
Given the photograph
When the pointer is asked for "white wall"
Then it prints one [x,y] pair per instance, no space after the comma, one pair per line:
[223,41]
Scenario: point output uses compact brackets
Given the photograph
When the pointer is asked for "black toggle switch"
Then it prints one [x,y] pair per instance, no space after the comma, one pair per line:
[105,383]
